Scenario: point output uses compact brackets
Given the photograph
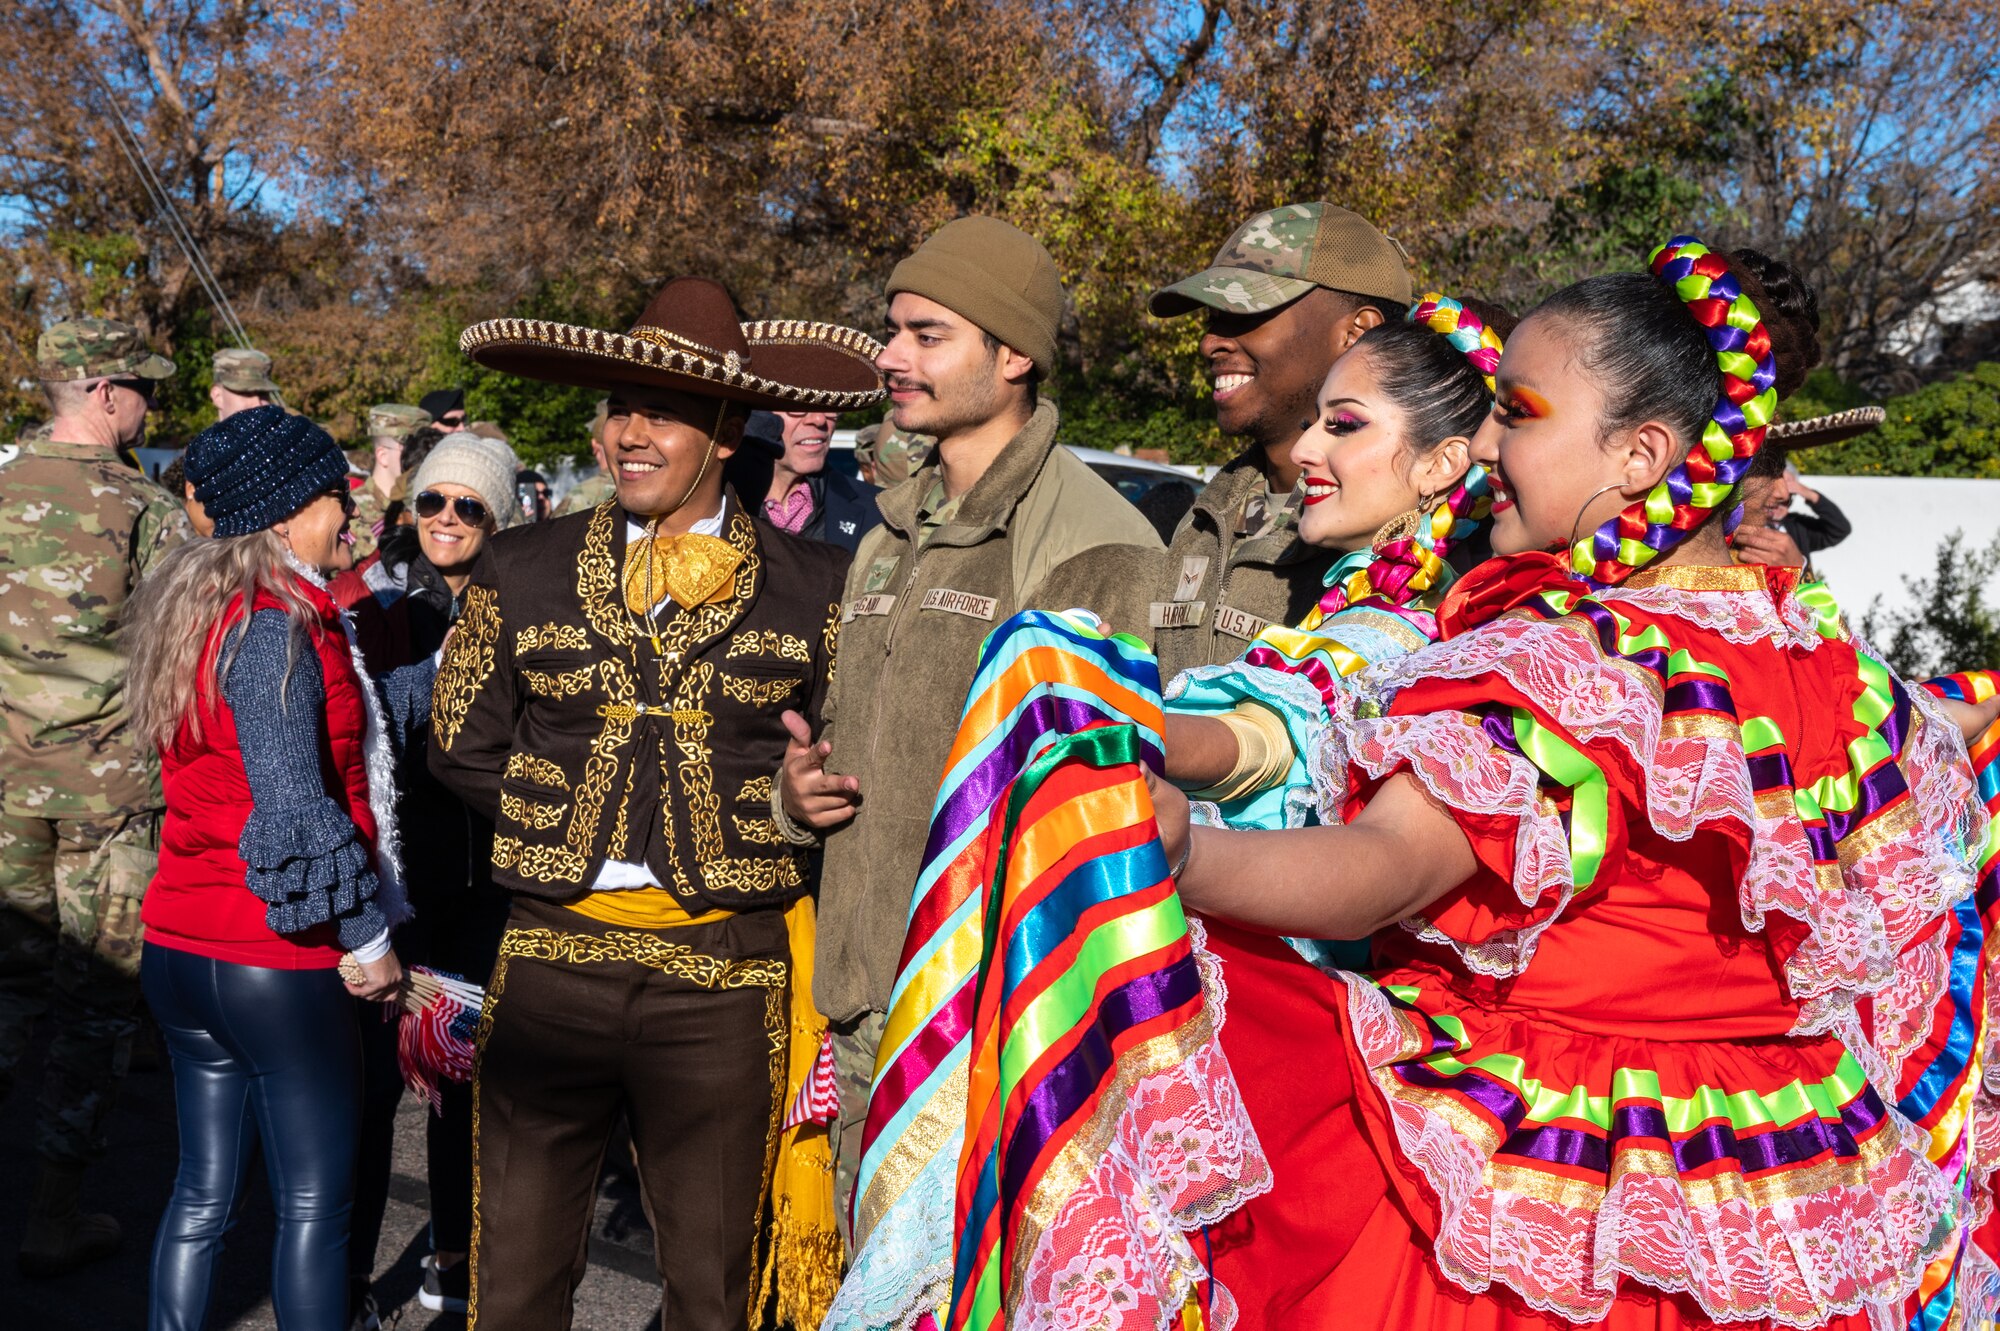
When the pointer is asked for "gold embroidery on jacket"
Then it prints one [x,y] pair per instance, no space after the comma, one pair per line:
[530,813]
[601,768]
[697,771]
[544,864]
[758,692]
[527,767]
[565,685]
[829,641]
[770,642]
[597,580]
[757,831]
[756,788]
[759,875]
[467,665]
[557,637]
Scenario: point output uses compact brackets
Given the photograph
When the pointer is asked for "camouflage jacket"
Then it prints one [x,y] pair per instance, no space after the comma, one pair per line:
[370,508]
[591,491]
[77,529]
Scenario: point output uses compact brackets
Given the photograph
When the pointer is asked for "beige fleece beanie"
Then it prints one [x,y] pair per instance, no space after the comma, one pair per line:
[484,466]
[994,274]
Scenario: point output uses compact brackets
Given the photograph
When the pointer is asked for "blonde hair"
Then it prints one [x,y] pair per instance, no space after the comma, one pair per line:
[173,613]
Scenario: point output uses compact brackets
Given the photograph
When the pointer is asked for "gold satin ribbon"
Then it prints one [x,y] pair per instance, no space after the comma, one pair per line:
[692,568]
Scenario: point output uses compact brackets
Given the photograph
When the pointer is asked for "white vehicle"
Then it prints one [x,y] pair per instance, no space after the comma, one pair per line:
[1130,476]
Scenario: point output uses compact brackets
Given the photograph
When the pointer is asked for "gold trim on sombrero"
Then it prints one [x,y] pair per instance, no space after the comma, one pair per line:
[668,339]
[661,349]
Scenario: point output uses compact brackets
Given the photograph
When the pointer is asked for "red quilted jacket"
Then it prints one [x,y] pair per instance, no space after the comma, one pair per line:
[199,902]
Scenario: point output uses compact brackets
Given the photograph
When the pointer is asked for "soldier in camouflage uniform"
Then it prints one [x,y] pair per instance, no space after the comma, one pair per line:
[594,489]
[389,427]
[79,793]
[887,457]
[1288,293]
[242,381]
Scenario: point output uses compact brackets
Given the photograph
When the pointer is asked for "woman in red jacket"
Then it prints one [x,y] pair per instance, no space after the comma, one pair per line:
[278,878]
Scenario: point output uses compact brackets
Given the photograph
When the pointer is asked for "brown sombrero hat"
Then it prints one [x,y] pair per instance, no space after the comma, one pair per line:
[689,340]
[1816,430]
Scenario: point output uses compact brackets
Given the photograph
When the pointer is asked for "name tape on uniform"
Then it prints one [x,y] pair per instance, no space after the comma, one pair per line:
[1177,614]
[875,603]
[958,603]
[1239,623]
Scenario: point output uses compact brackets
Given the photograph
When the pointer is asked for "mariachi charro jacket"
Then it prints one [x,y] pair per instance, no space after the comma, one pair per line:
[585,736]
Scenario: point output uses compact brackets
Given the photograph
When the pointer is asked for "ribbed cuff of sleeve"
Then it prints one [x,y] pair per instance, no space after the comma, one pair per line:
[789,830]
[374,949]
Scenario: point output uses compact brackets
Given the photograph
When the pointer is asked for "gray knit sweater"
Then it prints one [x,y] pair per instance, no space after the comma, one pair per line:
[305,857]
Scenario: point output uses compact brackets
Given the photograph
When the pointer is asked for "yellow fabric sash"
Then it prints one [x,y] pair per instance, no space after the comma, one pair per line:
[806,1256]
[641,908]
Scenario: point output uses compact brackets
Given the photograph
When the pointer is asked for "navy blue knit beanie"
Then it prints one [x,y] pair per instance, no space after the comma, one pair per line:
[258,467]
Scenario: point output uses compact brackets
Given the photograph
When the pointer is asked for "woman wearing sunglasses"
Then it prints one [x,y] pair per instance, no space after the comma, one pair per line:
[405,600]
[278,879]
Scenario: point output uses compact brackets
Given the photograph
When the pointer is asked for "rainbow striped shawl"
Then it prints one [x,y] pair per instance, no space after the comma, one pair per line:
[1942,1085]
[1048,1089]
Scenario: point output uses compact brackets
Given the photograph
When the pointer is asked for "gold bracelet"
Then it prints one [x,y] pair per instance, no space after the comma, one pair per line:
[1263,753]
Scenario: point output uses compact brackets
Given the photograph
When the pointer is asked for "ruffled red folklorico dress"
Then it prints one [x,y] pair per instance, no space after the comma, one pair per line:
[1638,1071]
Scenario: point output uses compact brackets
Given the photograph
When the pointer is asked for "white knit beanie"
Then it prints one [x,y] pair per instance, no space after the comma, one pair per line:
[484,466]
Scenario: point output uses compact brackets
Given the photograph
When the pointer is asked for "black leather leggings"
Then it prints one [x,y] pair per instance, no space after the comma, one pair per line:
[264,1056]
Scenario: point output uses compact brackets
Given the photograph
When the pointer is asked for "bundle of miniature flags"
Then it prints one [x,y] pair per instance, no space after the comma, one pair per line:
[434,1042]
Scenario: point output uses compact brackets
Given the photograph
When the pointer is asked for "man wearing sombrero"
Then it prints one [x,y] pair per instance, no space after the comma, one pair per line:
[1770,533]
[611,699]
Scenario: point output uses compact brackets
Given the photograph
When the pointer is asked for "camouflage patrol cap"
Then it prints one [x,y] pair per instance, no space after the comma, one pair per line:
[395,420]
[241,370]
[96,349]
[1278,256]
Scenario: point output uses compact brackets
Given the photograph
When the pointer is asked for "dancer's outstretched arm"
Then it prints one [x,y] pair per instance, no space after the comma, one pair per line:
[1402,852]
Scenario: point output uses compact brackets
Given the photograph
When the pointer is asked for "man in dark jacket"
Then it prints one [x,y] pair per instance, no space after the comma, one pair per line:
[782,476]
[613,700]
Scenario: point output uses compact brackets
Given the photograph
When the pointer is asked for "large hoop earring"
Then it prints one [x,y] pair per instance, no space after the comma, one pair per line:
[1585,507]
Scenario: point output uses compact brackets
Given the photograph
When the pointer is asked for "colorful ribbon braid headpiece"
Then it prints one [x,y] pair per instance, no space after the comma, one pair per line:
[1408,566]
[1706,479]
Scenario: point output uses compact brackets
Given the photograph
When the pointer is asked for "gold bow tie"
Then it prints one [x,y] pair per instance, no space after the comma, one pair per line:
[691,568]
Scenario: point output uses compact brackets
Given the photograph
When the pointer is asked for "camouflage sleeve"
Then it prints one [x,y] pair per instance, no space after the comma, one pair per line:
[473,703]
[161,526]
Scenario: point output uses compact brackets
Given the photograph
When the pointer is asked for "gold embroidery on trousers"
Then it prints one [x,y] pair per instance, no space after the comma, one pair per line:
[650,950]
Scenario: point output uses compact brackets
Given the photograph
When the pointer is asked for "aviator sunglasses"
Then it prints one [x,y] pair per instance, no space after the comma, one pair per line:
[470,511]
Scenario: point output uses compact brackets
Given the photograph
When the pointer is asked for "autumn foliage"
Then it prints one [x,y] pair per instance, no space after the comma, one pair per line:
[366,177]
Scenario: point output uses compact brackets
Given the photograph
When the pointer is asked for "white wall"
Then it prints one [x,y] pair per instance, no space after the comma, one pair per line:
[1898,524]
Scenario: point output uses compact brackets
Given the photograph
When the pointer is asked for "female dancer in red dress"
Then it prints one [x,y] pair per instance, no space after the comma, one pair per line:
[1638,842]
